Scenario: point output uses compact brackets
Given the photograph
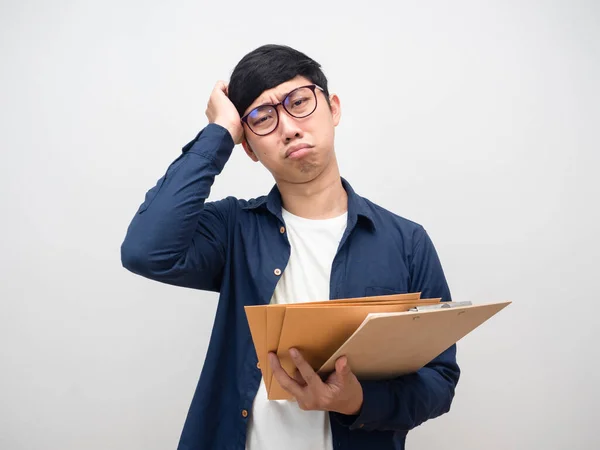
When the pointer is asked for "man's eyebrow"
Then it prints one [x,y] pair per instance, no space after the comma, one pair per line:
[262,104]
[279,98]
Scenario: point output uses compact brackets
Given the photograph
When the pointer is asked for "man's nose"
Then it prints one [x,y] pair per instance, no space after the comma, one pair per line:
[290,128]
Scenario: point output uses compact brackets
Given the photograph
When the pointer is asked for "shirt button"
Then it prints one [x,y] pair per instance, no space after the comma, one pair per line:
[244,413]
[277,272]
[258,365]
[282,230]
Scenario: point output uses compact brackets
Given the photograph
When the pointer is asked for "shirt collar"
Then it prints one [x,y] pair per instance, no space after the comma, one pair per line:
[358,207]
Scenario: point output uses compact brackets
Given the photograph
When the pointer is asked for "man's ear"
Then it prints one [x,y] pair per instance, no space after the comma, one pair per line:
[336,109]
[249,150]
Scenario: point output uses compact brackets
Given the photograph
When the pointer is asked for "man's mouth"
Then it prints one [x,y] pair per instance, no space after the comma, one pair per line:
[297,151]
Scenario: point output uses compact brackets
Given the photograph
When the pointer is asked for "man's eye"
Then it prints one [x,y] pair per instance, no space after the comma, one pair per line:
[261,120]
[298,102]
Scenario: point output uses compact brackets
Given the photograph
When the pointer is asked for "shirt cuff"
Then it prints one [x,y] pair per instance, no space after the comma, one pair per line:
[377,404]
[214,142]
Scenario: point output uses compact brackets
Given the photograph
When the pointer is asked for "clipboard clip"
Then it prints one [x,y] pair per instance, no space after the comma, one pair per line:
[441,305]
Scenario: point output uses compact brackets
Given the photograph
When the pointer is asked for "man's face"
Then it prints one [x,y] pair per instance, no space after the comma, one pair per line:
[279,152]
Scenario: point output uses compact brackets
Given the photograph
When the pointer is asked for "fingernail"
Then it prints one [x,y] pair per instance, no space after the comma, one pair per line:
[294,352]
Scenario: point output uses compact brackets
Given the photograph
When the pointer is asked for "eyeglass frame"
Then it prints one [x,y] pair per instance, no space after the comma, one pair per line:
[312,87]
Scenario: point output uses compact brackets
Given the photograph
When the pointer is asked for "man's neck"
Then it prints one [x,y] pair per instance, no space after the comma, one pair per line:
[322,198]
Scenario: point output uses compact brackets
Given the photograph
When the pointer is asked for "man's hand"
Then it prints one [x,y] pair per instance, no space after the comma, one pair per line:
[221,111]
[341,392]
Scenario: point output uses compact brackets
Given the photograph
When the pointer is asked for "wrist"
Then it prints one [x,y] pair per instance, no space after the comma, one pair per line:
[354,406]
[232,129]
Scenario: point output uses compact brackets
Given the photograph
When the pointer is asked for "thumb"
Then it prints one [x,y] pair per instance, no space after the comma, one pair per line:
[342,366]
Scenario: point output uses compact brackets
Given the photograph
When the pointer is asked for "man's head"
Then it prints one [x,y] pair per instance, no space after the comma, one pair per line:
[307,116]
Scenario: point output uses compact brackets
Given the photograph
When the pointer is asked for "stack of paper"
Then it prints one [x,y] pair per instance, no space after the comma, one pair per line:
[381,337]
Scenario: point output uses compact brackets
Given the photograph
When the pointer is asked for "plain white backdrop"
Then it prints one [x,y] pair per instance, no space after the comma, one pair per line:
[479,120]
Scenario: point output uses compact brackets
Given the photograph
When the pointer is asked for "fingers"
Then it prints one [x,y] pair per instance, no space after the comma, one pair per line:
[221,86]
[342,393]
[220,110]
[299,379]
[307,372]
[283,378]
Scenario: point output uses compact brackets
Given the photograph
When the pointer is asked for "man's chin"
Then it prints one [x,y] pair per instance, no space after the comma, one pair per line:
[302,174]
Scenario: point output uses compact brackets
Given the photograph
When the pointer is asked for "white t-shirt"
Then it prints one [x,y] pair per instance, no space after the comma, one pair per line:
[281,424]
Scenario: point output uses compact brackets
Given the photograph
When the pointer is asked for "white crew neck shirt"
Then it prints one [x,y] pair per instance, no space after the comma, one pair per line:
[281,424]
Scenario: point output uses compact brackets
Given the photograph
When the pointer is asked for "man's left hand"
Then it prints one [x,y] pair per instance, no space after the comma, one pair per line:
[341,392]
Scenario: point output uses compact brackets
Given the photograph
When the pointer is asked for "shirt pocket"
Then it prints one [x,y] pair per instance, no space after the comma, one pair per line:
[373,291]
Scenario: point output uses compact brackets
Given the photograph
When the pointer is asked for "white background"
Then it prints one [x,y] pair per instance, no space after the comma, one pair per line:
[477,119]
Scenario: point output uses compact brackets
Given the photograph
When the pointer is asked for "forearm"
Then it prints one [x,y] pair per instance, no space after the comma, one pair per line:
[161,233]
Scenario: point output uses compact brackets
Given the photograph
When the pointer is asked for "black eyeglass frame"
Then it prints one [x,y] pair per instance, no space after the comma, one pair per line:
[312,87]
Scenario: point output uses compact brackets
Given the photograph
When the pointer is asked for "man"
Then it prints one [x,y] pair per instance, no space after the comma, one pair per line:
[311,238]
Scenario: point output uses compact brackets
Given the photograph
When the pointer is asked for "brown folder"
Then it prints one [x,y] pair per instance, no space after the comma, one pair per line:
[317,332]
[266,322]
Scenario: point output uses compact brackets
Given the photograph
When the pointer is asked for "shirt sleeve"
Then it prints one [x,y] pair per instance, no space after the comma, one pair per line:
[176,237]
[405,402]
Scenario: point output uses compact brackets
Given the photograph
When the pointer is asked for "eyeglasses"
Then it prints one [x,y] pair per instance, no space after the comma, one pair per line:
[299,103]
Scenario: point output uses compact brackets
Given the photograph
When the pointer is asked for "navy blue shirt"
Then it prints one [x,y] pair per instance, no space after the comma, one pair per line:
[234,247]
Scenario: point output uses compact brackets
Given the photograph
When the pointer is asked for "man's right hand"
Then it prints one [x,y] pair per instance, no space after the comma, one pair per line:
[221,111]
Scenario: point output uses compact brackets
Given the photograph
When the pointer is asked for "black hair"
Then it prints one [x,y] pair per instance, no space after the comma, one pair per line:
[267,67]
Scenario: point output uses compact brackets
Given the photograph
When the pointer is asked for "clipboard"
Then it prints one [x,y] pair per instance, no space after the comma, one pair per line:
[383,336]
